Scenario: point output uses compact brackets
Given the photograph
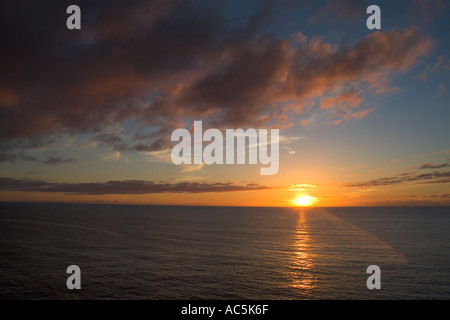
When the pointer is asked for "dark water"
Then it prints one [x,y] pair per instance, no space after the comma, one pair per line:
[158,252]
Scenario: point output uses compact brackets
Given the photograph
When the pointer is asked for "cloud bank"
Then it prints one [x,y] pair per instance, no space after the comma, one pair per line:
[122,187]
[158,63]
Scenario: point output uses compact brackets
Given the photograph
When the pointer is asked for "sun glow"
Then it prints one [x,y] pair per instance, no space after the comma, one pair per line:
[304,201]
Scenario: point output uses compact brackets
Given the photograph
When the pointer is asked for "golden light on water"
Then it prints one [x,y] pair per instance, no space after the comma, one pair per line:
[304,201]
[302,268]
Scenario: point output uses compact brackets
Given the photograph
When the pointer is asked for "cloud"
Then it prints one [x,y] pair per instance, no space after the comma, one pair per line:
[192,168]
[348,99]
[123,187]
[302,187]
[8,98]
[426,178]
[174,61]
[441,89]
[345,114]
[250,85]
[442,65]
[56,160]
[341,9]
[115,155]
[428,10]
[14,157]
[430,165]
[442,195]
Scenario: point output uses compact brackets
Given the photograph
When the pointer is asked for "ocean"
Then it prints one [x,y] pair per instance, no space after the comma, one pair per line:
[176,252]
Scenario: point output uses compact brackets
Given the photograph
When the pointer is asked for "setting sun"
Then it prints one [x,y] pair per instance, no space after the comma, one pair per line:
[304,201]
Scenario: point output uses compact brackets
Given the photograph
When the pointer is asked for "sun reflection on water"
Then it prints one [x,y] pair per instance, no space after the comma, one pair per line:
[302,267]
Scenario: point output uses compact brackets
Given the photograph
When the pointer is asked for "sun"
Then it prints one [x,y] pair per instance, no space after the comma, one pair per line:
[304,201]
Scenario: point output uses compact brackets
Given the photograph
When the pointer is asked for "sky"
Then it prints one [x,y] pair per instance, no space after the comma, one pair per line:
[87,115]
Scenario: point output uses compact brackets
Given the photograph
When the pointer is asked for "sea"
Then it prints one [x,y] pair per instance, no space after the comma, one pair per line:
[136,252]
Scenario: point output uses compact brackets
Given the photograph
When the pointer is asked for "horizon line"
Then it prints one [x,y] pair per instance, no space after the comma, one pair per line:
[220,206]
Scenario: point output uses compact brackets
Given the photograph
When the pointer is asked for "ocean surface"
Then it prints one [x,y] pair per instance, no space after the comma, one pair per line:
[164,252]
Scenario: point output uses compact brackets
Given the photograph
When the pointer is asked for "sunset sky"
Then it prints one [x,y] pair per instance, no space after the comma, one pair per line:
[364,116]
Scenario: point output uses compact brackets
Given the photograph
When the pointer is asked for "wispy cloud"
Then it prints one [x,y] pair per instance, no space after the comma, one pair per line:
[441,89]
[192,167]
[428,10]
[425,178]
[52,160]
[302,187]
[114,155]
[430,165]
[441,195]
[442,64]
[123,187]
[340,9]
[56,160]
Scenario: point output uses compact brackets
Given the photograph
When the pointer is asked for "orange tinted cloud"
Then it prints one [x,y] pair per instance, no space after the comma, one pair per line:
[8,98]
[350,99]
[154,72]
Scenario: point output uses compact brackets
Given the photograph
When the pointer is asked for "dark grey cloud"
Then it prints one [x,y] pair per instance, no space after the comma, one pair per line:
[158,63]
[430,165]
[122,187]
[425,178]
[441,195]
[116,143]
[56,160]
[14,157]
[444,195]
